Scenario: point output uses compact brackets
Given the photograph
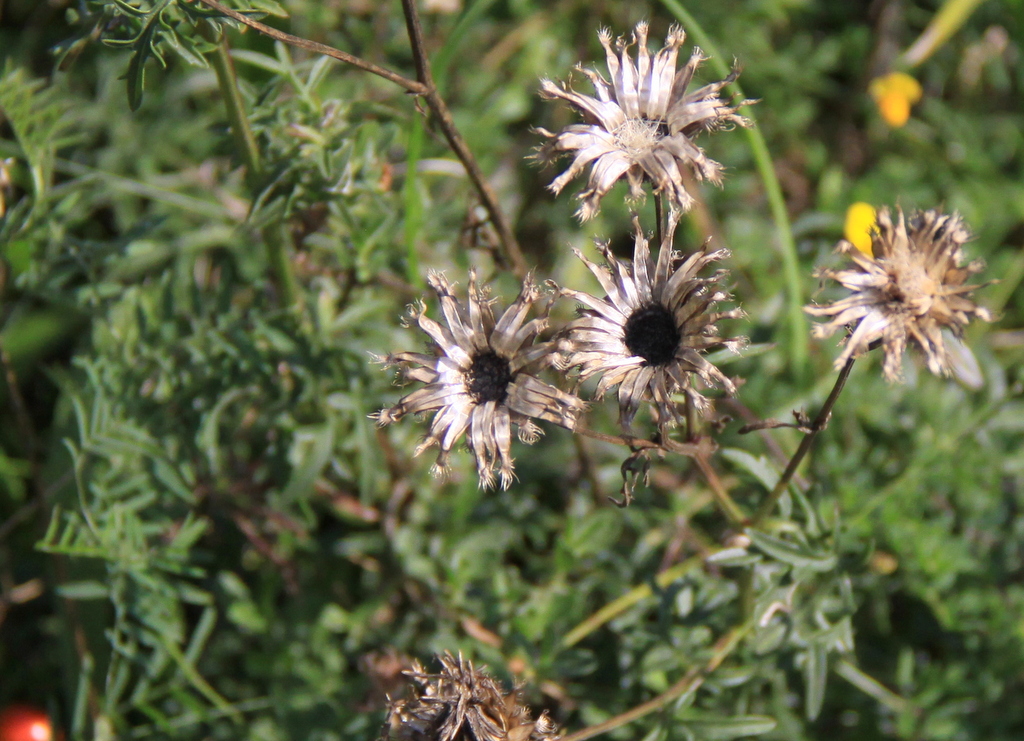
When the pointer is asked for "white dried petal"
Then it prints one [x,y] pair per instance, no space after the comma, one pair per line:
[479,383]
[646,336]
[641,125]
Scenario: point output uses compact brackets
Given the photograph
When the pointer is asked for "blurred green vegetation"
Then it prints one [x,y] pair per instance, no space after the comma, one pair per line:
[225,546]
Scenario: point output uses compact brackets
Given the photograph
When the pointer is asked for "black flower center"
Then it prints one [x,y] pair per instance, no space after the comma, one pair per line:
[651,334]
[488,377]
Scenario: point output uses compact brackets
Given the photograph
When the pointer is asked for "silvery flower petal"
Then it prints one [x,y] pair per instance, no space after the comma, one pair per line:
[479,384]
[646,336]
[641,124]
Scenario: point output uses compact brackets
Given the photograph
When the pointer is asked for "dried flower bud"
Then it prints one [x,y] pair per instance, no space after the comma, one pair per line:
[462,703]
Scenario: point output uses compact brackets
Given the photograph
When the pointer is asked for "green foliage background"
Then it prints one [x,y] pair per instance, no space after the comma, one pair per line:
[229,548]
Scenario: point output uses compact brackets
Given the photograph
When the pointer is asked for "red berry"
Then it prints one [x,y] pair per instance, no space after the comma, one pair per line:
[25,723]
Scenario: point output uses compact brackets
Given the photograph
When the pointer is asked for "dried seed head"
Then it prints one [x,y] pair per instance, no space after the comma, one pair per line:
[647,335]
[642,124]
[462,703]
[479,383]
[909,289]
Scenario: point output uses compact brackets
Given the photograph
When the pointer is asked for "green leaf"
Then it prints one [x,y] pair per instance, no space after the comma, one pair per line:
[723,729]
[791,553]
[757,466]
[84,590]
[815,676]
[576,663]
[135,77]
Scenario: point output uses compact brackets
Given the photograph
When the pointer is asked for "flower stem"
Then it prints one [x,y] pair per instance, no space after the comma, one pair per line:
[616,607]
[820,423]
[798,343]
[689,683]
[274,235]
[439,108]
[227,81]
[658,216]
[704,446]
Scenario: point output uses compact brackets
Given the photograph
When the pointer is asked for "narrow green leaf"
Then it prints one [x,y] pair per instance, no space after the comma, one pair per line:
[84,590]
[790,553]
[815,676]
[136,76]
[757,466]
[723,729]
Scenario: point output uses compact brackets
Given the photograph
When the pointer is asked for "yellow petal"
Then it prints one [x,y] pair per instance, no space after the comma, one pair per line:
[894,109]
[860,223]
[894,94]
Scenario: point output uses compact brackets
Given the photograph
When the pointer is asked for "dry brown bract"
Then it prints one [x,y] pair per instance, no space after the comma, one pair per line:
[462,704]
[477,381]
[642,123]
[912,289]
[647,334]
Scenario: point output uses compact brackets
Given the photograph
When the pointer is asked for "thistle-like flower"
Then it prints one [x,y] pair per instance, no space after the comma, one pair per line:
[910,288]
[462,704]
[647,334]
[478,380]
[642,123]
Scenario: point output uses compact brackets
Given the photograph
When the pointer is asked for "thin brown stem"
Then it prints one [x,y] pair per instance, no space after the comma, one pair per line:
[704,446]
[513,254]
[689,683]
[411,85]
[820,423]
[587,468]
[424,86]
[419,52]
[439,108]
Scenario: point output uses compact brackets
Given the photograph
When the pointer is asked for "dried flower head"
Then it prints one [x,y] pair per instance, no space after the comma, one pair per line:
[462,704]
[647,334]
[478,380]
[642,123]
[911,287]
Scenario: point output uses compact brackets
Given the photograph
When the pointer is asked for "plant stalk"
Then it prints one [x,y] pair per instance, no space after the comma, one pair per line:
[820,423]
[689,683]
[616,607]
[227,81]
[275,236]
